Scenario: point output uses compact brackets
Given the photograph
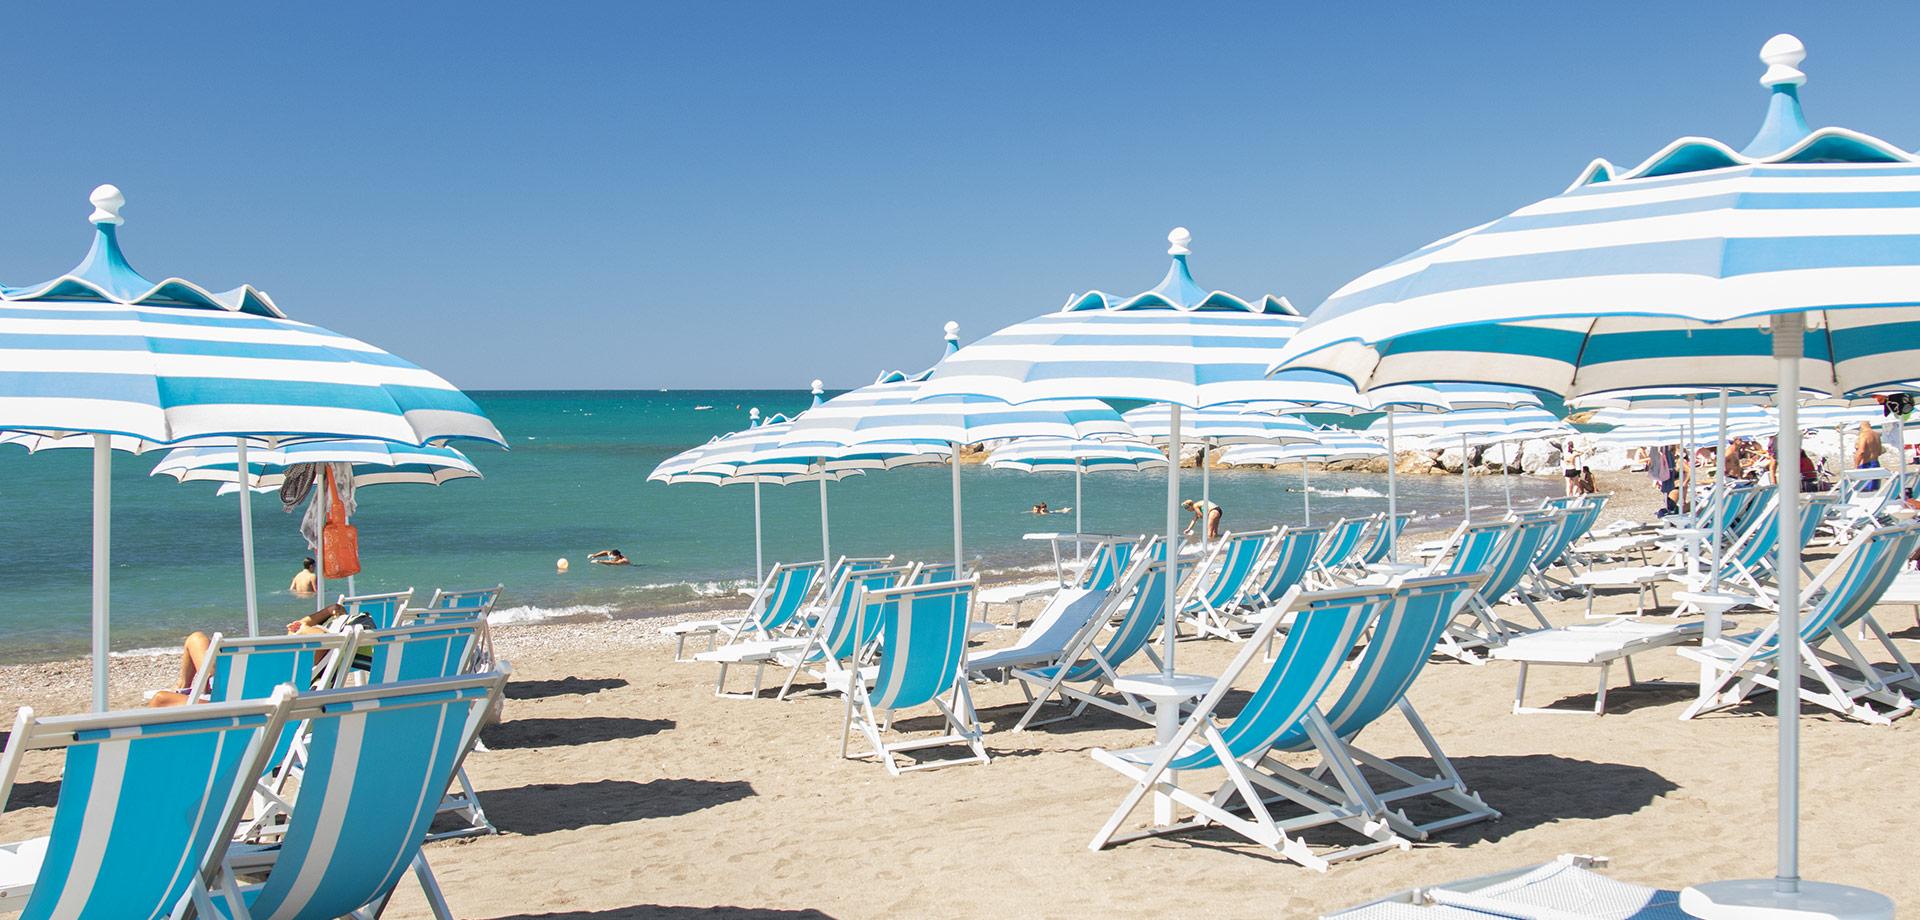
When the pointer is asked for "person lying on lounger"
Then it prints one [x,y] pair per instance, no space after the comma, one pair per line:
[609,557]
[193,651]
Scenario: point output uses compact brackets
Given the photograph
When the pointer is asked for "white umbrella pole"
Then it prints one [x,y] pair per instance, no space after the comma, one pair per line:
[959,566]
[102,561]
[1393,488]
[1078,528]
[1900,452]
[1306,493]
[1506,481]
[246,537]
[826,543]
[320,560]
[1466,483]
[1719,477]
[759,554]
[1788,330]
[1169,634]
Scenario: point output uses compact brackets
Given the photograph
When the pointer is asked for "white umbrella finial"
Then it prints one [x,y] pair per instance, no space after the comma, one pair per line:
[753,417]
[818,387]
[107,202]
[1179,238]
[953,330]
[1782,54]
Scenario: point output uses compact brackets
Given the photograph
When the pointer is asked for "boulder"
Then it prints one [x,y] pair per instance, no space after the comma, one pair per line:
[1416,462]
[1539,456]
[1452,460]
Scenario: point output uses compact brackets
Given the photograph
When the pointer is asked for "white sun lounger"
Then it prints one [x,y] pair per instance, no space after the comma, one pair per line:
[1565,889]
[1589,645]
[1047,638]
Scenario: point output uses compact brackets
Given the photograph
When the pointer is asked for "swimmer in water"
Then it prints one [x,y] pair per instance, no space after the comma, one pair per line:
[1040,508]
[609,557]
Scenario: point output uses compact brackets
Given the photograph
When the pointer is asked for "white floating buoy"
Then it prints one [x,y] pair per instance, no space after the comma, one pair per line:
[561,566]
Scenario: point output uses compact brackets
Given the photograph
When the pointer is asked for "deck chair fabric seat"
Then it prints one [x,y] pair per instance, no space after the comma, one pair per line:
[1222,582]
[780,597]
[1069,613]
[385,610]
[147,799]
[1735,667]
[1310,657]
[378,758]
[1087,668]
[921,662]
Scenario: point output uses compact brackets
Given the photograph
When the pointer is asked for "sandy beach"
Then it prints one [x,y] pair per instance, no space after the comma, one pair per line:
[624,789]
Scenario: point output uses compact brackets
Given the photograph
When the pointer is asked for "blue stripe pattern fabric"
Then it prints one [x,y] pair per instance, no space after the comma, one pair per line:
[1477,426]
[102,350]
[374,463]
[1660,275]
[1220,426]
[1033,455]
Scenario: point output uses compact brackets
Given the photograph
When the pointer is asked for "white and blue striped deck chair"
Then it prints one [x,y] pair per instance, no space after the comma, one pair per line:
[1885,683]
[932,573]
[1402,642]
[1221,582]
[1532,529]
[922,662]
[1735,667]
[1557,550]
[1477,548]
[1337,549]
[782,594]
[1749,564]
[378,758]
[841,635]
[482,599]
[1384,536]
[145,796]
[827,602]
[1291,561]
[255,668]
[385,610]
[1091,664]
[1326,627]
[430,651]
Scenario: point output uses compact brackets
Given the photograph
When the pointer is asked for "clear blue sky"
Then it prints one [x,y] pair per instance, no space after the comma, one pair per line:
[732,194]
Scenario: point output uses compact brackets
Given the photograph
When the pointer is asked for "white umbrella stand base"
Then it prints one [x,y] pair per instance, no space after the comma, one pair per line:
[1761,899]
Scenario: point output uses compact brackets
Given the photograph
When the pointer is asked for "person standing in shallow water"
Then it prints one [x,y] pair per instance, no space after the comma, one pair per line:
[1207,511]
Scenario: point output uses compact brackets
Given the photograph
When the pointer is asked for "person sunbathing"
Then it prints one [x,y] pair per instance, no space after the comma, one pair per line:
[609,557]
[193,650]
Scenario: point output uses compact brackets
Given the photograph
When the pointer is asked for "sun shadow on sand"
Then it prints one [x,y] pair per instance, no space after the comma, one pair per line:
[565,686]
[1624,699]
[539,733]
[36,794]
[653,911]
[547,807]
[1531,790]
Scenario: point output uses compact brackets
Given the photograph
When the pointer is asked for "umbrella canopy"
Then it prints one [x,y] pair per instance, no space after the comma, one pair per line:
[373,463]
[889,411]
[1176,343]
[768,450]
[1333,445]
[1475,427]
[1219,427]
[103,350]
[1789,262]
[1037,455]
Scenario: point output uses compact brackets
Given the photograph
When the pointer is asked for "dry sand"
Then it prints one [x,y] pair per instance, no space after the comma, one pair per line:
[624,789]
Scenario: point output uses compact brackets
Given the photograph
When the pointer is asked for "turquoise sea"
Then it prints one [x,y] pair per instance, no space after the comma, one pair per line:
[574,482]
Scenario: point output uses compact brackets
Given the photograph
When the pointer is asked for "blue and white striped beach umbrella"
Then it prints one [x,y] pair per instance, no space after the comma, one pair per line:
[890,411]
[104,351]
[1177,343]
[1066,455]
[1467,428]
[1790,262]
[768,450]
[372,463]
[686,466]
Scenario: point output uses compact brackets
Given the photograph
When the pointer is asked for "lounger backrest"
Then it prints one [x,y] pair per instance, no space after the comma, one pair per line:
[1323,634]
[1852,596]
[1814,512]
[426,616]
[465,598]
[428,652]
[1235,560]
[1143,592]
[1476,547]
[383,609]
[144,797]
[1579,519]
[1760,538]
[1733,503]
[1754,502]
[1402,642]
[845,630]
[378,761]
[923,640]
[1384,537]
[255,668]
[1341,541]
[933,573]
[1516,553]
[783,593]
[1105,564]
[1293,557]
